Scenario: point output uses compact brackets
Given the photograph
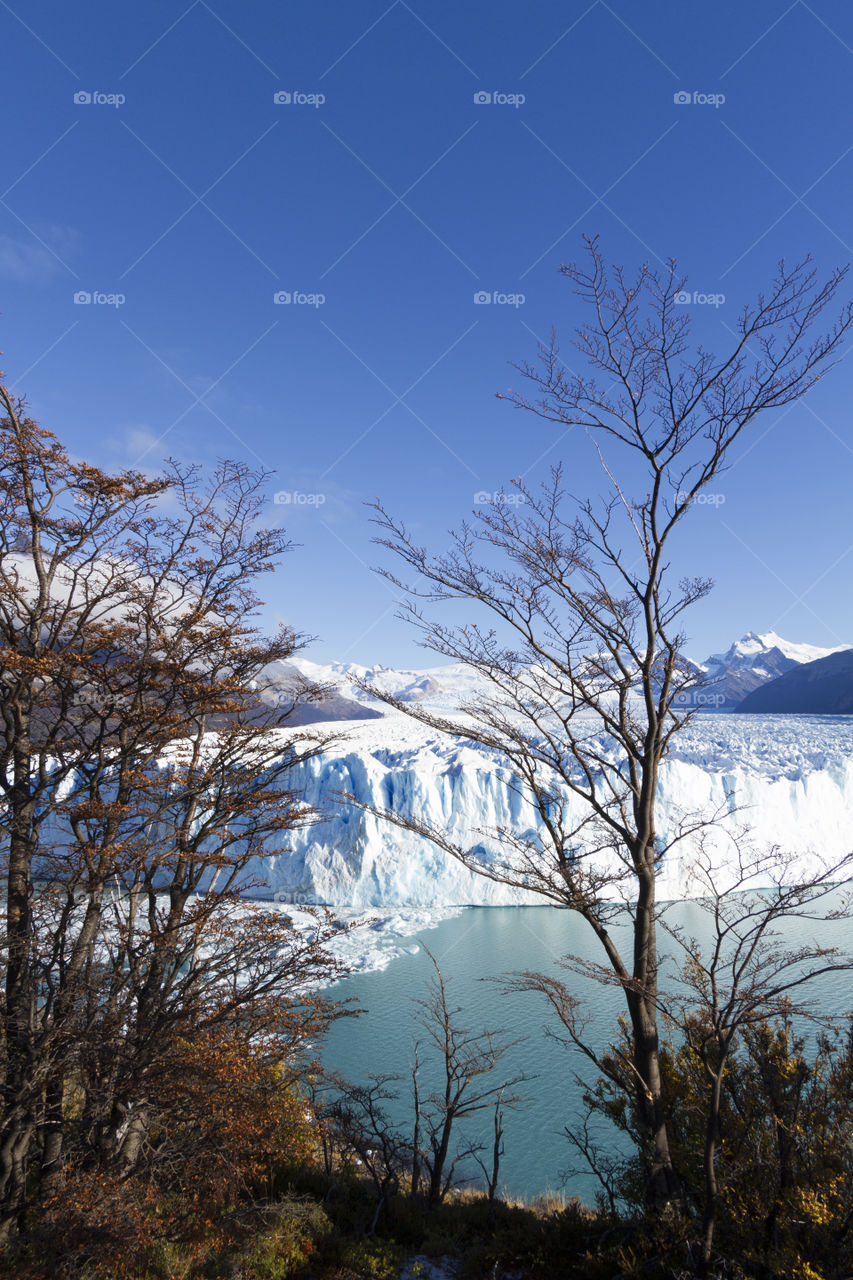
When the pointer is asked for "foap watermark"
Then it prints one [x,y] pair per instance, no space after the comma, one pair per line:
[297,898]
[699,698]
[293,98]
[684,298]
[499,499]
[293,498]
[85,98]
[94,298]
[683,98]
[484,98]
[700,499]
[294,298]
[486,297]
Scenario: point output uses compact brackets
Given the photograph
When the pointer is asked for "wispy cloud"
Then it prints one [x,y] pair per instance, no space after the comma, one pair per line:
[26,261]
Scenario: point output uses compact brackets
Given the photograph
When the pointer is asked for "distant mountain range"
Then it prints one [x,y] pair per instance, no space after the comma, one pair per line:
[758,673]
[751,663]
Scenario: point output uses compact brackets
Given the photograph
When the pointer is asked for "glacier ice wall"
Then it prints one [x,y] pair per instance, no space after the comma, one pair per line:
[790,779]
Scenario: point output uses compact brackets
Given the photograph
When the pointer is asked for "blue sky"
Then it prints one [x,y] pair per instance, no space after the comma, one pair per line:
[381,198]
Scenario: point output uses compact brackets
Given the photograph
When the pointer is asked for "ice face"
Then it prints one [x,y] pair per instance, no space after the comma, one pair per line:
[789,779]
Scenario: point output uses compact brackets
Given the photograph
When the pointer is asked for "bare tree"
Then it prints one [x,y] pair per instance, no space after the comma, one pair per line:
[365,1133]
[581,655]
[739,974]
[492,1172]
[465,1057]
[462,1067]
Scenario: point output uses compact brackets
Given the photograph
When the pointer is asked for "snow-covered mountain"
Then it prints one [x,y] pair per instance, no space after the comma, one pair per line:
[444,688]
[746,665]
[751,662]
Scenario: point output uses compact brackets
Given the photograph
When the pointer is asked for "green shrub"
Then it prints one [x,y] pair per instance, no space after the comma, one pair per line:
[371,1259]
[288,1243]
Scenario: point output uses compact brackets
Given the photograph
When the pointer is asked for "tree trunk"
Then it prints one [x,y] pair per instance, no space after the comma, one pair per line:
[709,1215]
[497,1152]
[416,1137]
[13,1165]
[439,1159]
[20,1014]
[131,1140]
[52,1140]
[661,1184]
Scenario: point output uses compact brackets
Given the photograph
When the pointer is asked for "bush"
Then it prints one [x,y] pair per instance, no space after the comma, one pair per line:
[289,1242]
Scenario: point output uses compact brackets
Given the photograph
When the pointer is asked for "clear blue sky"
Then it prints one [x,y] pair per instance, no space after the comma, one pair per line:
[199,197]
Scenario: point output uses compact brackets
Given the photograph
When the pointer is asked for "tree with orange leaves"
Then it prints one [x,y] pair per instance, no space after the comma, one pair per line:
[143,775]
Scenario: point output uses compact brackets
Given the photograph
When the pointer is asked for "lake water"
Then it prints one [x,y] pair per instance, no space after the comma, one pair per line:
[485,942]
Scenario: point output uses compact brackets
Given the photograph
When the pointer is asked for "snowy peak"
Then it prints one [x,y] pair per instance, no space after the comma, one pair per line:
[753,645]
[754,660]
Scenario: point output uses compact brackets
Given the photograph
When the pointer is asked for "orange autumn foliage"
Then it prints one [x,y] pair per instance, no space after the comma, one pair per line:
[228,1121]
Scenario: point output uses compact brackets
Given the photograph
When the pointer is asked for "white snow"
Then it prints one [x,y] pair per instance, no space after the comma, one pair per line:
[744,651]
[444,687]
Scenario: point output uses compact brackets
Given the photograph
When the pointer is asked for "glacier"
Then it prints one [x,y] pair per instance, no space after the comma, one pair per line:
[789,778]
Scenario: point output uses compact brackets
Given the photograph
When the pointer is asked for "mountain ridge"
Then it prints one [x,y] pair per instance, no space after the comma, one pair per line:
[752,661]
[822,687]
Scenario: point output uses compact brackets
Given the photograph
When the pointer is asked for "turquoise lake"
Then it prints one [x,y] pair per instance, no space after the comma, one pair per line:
[483,943]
